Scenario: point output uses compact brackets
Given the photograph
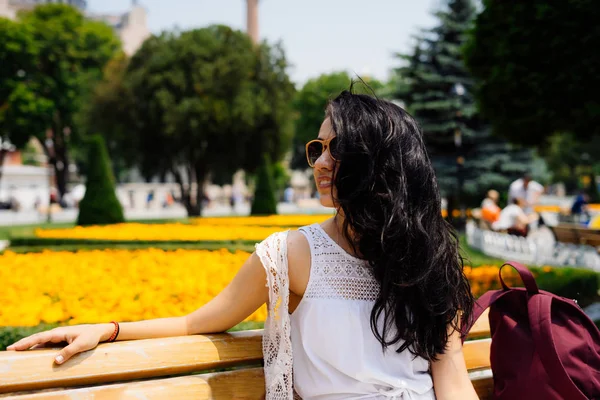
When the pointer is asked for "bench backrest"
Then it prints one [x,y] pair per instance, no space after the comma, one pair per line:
[151,369]
[571,233]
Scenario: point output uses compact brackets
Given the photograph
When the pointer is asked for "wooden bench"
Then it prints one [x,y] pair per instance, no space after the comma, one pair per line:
[572,233]
[168,369]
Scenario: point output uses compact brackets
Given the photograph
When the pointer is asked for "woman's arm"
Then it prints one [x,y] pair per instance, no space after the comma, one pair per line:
[240,298]
[245,294]
[450,377]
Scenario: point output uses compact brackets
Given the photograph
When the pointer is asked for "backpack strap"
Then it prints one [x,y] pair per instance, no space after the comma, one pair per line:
[539,308]
[491,296]
[526,277]
[481,304]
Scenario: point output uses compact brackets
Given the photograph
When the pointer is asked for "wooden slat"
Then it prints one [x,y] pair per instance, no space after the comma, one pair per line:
[35,369]
[481,328]
[247,384]
[477,354]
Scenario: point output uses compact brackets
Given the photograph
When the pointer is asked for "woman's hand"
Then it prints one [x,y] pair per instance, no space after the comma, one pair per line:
[79,338]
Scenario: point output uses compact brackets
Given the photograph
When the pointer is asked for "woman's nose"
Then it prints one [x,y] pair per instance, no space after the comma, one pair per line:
[324,161]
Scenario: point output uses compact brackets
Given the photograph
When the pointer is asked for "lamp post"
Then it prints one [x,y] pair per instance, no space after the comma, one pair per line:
[458,90]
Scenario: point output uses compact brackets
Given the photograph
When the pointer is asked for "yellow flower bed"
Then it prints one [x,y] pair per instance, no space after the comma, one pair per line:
[271,220]
[485,278]
[99,286]
[161,232]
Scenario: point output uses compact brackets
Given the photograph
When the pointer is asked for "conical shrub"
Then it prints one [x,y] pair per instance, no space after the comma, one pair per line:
[100,205]
[264,202]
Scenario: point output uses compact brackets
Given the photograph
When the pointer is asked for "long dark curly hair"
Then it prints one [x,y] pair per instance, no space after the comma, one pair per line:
[388,193]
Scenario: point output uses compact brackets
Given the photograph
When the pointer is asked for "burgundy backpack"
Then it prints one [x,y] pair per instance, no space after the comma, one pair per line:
[543,345]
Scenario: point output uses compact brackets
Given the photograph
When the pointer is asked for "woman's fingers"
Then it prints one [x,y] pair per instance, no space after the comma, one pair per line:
[37,339]
[28,342]
[77,345]
[68,352]
[79,339]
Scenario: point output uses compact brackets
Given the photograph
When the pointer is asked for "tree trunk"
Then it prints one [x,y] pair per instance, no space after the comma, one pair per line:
[200,170]
[61,163]
[193,208]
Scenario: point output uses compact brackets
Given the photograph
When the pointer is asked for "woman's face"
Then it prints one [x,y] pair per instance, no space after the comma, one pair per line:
[324,167]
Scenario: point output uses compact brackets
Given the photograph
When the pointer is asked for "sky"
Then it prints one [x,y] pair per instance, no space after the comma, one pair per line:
[319,36]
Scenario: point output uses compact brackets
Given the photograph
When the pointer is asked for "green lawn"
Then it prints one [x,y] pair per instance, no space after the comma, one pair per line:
[27,230]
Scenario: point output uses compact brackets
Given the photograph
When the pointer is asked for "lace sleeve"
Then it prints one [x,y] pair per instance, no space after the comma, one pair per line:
[277,344]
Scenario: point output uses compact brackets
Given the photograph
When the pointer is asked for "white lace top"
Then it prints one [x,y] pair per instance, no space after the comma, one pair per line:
[335,354]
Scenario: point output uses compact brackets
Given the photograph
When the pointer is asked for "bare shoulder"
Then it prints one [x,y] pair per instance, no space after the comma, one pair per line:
[298,252]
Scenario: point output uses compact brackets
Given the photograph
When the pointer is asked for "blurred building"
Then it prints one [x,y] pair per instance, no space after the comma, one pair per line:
[25,185]
[130,26]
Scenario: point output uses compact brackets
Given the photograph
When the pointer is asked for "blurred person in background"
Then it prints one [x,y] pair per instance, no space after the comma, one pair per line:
[490,211]
[527,190]
[579,209]
[149,199]
[513,219]
[288,195]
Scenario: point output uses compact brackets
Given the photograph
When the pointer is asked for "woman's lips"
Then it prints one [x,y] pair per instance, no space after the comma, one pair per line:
[324,182]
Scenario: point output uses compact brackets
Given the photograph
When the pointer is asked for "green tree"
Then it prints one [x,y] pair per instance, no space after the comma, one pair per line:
[273,127]
[535,63]
[201,103]
[100,205]
[107,112]
[570,159]
[535,68]
[57,54]
[22,109]
[264,202]
[281,178]
[310,103]
[438,90]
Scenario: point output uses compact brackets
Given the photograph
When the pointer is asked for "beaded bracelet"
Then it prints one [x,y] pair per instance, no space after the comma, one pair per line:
[113,337]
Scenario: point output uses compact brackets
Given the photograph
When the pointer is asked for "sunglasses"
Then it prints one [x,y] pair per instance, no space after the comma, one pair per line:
[315,148]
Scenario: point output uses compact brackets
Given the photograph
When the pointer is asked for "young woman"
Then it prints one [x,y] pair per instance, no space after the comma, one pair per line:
[366,305]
